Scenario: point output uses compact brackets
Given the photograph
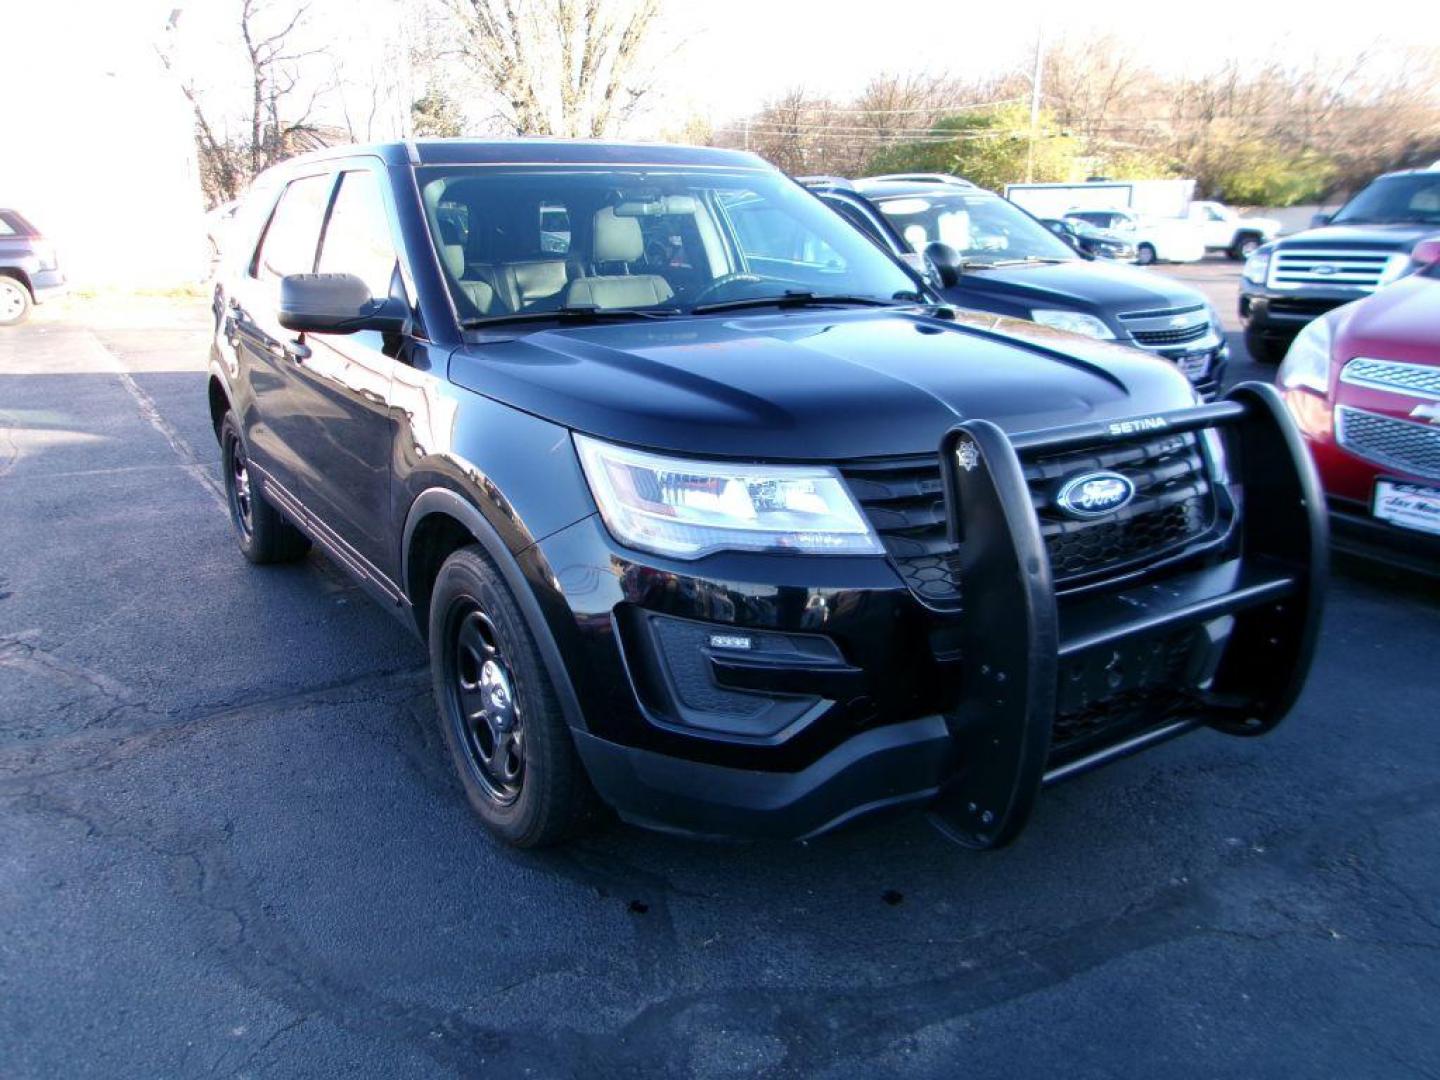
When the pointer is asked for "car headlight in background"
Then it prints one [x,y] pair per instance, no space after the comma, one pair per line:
[1256,267]
[1075,322]
[1396,267]
[1307,364]
[686,509]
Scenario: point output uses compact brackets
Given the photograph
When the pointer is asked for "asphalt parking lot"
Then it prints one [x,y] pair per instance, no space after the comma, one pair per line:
[230,842]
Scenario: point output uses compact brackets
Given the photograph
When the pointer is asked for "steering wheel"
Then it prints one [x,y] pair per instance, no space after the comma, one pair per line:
[721,281]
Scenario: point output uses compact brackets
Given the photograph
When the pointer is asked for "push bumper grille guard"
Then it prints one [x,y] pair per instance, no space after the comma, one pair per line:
[1016,633]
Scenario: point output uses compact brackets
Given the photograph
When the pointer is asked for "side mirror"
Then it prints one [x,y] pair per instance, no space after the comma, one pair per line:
[1426,252]
[335,304]
[946,261]
[1320,219]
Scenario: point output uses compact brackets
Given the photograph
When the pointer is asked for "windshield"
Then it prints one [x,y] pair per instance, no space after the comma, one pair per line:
[526,241]
[1395,200]
[982,228]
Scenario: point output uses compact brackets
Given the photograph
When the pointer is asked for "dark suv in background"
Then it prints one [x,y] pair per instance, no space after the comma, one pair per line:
[29,268]
[990,255]
[1347,256]
[712,512]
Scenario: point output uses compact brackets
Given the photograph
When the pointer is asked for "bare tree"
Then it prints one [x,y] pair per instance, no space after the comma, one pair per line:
[572,68]
[281,106]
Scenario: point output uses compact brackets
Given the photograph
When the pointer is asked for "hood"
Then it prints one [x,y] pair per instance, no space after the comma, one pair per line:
[1401,237]
[1077,284]
[1397,323]
[813,385]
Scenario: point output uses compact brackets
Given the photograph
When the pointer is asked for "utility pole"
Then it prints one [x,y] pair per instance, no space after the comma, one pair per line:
[1035,103]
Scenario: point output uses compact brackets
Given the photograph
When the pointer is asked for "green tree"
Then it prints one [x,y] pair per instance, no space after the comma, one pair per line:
[989,148]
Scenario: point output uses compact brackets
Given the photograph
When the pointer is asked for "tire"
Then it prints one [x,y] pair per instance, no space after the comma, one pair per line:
[1244,247]
[498,710]
[15,301]
[1145,255]
[1262,349]
[262,532]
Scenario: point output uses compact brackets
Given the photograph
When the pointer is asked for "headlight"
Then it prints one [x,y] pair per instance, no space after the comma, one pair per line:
[1307,363]
[1396,267]
[686,509]
[1074,321]
[1256,267]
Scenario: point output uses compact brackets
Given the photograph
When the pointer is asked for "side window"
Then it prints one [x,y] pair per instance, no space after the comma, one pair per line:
[764,232]
[6,229]
[294,230]
[357,239]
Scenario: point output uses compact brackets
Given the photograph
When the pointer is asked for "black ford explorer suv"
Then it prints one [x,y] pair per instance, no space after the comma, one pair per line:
[709,511]
[987,253]
[1347,256]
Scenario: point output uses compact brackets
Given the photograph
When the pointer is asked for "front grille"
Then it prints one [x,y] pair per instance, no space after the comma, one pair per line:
[905,502]
[1107,694]
[1400,444]
[1417,380]
[1173,505]
[1160,339]
[1321,266]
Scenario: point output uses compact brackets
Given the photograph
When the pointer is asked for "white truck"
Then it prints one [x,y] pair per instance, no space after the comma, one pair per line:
[1168,222]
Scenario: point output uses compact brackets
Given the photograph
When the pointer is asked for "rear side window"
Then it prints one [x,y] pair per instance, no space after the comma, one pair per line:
[294,231]
[12,224]
[357,238]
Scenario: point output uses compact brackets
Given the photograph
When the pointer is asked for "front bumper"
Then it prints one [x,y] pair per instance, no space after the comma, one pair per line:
[772,696]
[1283,314]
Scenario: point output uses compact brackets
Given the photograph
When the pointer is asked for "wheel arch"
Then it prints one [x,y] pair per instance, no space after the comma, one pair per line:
[19,275]
[219,396]
[439,522]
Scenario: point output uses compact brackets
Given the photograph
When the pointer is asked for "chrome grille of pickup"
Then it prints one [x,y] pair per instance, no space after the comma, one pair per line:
[1173,506]
[1326,266]
[1400,444]
[1417,380]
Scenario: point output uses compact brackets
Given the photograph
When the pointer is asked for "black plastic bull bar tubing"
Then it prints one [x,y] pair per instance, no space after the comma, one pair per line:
[1014,631]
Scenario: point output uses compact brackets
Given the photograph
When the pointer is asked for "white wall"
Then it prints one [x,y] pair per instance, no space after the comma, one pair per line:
[98,150]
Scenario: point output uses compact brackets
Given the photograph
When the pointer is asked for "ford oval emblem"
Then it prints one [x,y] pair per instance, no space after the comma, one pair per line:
[1095,494]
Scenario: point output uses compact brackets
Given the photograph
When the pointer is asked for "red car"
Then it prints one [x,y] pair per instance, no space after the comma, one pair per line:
[1363,384]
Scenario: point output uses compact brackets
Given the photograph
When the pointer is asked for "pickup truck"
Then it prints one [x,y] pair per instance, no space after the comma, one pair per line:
[720,515]
[1223,229]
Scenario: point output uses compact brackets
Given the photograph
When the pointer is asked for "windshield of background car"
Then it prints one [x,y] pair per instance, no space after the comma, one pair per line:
[982,228]
[1396,200]
[517,240]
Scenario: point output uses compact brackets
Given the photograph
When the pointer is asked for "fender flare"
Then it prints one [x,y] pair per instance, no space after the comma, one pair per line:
[453,505]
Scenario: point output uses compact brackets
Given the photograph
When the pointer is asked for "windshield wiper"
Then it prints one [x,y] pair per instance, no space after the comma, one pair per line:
[805,298]
[578,313]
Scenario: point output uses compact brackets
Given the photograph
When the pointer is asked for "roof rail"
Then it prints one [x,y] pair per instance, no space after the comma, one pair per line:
[921,178]
[825,182]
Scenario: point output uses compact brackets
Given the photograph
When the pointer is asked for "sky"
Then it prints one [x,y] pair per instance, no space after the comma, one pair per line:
[722,59]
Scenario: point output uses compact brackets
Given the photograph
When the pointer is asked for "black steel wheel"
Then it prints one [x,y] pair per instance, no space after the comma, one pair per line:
[482,703]
[262,532]
[498,709]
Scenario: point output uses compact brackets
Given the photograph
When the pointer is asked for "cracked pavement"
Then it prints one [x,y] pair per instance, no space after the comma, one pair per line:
[230,842]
